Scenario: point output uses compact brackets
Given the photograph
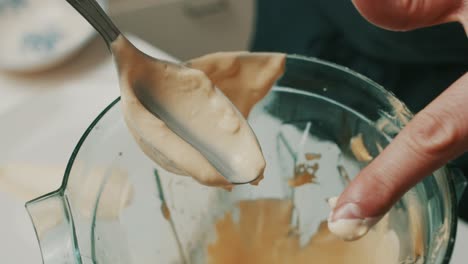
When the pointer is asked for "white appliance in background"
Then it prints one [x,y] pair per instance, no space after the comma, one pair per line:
[188,28]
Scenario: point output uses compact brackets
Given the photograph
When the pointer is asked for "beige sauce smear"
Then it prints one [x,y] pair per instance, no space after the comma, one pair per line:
[263,235]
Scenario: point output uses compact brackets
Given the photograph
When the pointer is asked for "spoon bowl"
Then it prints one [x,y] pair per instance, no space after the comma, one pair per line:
[176,114]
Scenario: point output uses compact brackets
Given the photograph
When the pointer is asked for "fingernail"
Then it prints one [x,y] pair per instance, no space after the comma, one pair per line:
[347,211]
[348,223]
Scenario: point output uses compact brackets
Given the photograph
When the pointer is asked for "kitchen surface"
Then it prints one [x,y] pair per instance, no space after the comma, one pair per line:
[43,113]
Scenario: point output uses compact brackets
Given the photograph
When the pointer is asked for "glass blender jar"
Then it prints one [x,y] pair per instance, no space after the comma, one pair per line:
[116,206]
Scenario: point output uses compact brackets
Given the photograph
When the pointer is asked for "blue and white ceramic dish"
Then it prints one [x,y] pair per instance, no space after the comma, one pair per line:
[38,34]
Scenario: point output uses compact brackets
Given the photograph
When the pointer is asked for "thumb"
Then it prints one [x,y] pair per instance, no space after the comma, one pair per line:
[436,135]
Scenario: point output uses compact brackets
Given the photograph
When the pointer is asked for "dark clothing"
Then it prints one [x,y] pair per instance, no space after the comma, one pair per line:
[417,65]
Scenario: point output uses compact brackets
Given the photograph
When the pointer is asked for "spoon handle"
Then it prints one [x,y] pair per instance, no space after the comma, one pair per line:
[93,12]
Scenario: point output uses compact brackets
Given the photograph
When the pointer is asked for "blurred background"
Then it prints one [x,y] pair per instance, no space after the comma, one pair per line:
[56,76]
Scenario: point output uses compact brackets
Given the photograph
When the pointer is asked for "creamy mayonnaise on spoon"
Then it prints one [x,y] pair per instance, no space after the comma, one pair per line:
[183,122]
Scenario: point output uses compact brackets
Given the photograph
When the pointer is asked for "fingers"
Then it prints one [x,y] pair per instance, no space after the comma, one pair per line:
[436,135]
[412,14]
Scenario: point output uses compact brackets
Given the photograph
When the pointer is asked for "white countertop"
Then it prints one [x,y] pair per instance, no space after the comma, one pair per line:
[42,118]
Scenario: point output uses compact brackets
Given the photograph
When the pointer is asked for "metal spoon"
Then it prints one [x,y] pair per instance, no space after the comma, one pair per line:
[234,154]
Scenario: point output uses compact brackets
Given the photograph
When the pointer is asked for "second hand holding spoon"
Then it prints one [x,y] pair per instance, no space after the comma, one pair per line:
[177,116]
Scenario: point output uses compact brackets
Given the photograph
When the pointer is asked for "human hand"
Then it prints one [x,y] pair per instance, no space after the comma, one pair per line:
[436,135]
